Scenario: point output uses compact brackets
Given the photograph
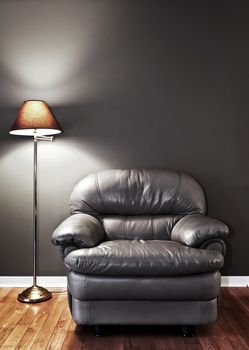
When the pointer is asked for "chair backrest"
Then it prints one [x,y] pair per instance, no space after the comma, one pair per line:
[138,204]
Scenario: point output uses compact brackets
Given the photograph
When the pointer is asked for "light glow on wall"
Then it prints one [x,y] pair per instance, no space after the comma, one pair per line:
[47,48]
[61,164]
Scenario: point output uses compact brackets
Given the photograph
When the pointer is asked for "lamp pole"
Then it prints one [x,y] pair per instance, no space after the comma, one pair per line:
[35,206]
[35,211]
[35,294]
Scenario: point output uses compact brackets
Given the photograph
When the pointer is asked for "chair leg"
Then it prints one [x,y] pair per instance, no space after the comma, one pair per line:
[99,331]
[188,331]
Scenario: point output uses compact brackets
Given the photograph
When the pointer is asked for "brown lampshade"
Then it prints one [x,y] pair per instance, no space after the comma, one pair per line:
[35,118]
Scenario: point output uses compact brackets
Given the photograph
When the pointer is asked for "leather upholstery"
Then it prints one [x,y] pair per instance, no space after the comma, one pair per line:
[80,230]
[203,286]
[139,227]
[152,312]
[140,250]
[194,229]
[216,244]
[138,257]
[138,192]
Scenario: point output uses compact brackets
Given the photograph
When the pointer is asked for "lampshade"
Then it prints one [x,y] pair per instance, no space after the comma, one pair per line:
[35,118]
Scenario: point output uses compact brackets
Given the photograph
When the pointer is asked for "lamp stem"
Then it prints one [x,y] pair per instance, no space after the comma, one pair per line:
[35,294]
[35,213]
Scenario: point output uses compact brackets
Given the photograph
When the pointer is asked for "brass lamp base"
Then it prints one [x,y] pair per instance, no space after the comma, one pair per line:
[34,294]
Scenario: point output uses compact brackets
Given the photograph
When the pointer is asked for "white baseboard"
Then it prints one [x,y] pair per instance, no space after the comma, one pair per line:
[235,281]
[61,281]
[27,281]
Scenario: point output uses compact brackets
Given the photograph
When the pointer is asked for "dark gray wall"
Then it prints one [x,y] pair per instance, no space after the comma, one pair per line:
[155,84]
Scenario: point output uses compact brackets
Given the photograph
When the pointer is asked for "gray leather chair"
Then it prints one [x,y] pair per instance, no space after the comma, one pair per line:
[140,250]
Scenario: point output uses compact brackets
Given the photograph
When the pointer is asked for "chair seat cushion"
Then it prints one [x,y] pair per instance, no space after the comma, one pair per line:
[139,257]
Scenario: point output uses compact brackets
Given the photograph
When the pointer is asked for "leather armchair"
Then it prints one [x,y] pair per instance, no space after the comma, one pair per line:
[139,249]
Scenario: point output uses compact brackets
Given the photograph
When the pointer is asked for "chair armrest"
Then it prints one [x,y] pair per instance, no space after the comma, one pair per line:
[80,230]
[216,244]
[193,230]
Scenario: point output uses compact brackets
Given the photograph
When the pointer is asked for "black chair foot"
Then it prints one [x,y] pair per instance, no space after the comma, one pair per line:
[188,331]
[100,331]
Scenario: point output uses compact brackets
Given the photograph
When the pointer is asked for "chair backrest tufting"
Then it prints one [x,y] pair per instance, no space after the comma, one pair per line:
[135,204]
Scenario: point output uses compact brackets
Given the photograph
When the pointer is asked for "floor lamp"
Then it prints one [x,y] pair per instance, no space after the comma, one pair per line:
[35,119]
